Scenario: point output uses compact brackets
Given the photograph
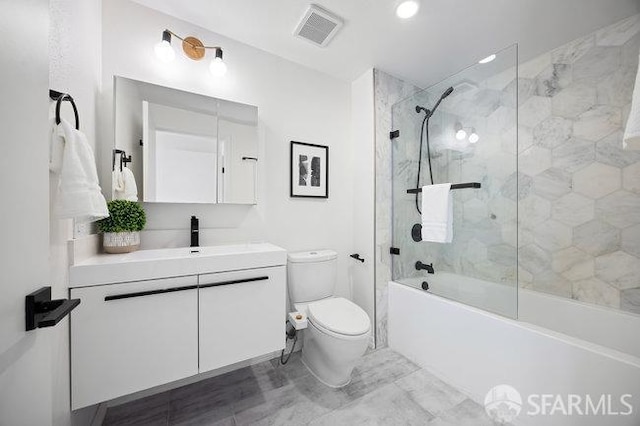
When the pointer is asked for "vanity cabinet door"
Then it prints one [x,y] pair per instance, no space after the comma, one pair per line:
[132,336]
[242,315]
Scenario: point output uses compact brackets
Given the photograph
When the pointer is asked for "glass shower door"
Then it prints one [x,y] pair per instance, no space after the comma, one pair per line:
[471,141]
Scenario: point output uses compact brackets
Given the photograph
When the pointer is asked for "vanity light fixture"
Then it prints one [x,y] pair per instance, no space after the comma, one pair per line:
[193,48]
[406,9]
[473,137]
[163,49]
[460,132]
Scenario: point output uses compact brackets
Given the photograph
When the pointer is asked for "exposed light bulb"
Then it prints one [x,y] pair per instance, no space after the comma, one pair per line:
[460,132]
[473,137]
[487,59]
[217,67]
[408,8]
[163,49]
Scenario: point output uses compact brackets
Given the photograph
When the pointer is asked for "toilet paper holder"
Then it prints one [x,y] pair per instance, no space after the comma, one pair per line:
[298,320]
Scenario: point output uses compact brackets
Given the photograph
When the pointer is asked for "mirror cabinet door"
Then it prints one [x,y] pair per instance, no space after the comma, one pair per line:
[186,147]
[237,153]
[180,155]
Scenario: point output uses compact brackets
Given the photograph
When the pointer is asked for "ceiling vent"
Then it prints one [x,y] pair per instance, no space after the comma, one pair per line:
[318,26]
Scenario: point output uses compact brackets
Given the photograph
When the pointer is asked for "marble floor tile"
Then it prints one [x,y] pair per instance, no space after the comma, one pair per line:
[284,406]
[204,421]
[430,393]
[377,369]
[386,389]
[293,369]
[467,413]
[149,411]
[212,399]
[388,405]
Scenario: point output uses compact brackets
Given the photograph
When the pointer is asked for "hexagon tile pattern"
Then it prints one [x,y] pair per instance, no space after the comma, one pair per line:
[577,190]
[589,246]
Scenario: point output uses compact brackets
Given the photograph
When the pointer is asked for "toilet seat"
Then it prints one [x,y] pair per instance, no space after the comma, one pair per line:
[338,315]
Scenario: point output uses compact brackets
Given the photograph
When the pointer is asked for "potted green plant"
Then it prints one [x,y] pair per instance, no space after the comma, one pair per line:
[121,230]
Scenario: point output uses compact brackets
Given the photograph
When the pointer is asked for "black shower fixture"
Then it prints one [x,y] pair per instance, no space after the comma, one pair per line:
[428,113]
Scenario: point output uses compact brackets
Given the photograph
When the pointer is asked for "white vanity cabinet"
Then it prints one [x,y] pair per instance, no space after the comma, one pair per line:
[241,315]
[136,329]
[132,336]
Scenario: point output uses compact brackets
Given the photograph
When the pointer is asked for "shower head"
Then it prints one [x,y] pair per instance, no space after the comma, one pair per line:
[428,112]
[447,93]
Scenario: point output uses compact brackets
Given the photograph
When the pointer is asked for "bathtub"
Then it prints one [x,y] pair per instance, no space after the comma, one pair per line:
[579,350]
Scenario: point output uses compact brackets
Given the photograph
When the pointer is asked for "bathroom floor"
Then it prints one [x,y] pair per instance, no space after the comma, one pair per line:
[386,389]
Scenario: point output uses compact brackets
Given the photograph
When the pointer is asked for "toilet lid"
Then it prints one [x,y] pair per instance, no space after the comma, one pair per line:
[340,316]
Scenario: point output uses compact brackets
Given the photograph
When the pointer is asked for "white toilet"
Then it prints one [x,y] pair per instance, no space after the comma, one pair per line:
[338,330]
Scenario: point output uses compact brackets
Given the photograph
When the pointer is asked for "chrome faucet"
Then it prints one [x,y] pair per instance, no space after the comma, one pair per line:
[428,268]
[195,232]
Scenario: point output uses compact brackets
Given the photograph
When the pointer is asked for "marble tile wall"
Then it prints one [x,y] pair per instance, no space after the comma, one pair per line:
[484,245]
[388,90]
[577,191]
[579,232]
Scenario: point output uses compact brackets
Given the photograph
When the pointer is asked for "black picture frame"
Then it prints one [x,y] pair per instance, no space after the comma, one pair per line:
[309,176]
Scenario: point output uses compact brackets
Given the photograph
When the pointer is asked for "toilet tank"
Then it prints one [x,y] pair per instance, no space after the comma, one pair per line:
[311,275]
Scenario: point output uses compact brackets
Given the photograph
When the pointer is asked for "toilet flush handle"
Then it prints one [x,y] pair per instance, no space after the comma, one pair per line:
[356,256]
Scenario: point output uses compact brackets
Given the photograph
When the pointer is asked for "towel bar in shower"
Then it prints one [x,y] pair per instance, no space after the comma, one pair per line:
[454,186]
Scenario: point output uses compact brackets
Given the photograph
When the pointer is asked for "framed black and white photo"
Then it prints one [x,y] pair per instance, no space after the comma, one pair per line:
[309,170]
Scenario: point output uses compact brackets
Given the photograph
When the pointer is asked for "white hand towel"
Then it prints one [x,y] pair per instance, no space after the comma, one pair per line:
[117,184]
[78,194]
[437,213]
[130,192]
[631,139]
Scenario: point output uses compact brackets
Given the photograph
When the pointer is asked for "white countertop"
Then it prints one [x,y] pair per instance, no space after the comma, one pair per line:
[173,262]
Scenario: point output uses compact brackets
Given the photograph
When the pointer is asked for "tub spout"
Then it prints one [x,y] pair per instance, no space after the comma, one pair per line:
[428,268]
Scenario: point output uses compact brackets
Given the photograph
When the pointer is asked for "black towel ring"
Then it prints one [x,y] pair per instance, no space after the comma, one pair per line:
[59,98]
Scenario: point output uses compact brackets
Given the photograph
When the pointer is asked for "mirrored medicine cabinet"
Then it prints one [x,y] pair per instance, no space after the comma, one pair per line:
[186,147]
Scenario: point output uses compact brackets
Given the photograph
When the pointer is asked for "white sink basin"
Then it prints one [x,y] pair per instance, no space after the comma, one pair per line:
[174,262]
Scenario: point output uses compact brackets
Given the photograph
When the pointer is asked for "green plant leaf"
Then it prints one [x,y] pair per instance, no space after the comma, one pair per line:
[124,216]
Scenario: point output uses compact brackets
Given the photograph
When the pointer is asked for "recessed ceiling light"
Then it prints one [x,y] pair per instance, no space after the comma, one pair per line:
[487,59]
[407,8]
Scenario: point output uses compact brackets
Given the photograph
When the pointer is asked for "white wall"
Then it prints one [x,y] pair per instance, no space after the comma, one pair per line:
[25,357]
[363,146]
[74,67]
[295,103]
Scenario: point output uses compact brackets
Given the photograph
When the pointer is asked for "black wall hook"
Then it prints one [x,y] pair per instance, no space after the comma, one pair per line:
[124,159]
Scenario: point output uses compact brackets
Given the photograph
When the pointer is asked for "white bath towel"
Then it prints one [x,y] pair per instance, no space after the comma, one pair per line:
[78,194]
[124,185]
[437,213]
[631,139]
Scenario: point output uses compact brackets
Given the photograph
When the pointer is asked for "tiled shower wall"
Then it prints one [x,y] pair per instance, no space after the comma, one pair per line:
[578,193]
[388,90]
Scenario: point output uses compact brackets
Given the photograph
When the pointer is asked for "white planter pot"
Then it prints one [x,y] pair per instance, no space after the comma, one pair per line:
[121,242]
